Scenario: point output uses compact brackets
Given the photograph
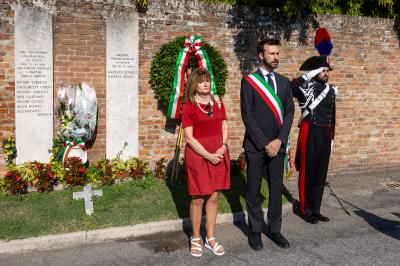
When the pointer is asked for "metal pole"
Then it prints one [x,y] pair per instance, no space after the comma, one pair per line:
[175,168]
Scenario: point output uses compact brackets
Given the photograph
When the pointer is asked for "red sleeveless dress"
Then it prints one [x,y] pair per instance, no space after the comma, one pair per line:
[204,178]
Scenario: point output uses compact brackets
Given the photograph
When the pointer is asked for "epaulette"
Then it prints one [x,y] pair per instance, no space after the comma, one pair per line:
[335,88]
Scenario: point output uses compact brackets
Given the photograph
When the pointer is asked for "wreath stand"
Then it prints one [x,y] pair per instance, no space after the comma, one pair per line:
[175,167]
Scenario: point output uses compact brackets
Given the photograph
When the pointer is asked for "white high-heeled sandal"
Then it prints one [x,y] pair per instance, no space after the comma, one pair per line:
[195,246]
[214,249]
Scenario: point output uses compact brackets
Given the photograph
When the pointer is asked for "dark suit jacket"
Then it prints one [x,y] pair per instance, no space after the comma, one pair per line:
[259,120]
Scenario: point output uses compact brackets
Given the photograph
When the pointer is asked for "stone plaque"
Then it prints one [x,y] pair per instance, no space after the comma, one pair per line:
[33,84]
[122,104]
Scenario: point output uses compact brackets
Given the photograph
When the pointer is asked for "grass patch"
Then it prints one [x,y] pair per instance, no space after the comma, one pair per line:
[133,202]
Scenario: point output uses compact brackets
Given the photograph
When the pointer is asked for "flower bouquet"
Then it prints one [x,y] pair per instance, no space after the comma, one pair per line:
[77,113]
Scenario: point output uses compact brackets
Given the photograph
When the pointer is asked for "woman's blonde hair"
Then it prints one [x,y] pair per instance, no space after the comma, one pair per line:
[197,76]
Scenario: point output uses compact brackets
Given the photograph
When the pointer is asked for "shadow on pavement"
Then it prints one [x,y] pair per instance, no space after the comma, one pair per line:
[163,242]
[235,196]
[388,227]
[295,203]
[179,195]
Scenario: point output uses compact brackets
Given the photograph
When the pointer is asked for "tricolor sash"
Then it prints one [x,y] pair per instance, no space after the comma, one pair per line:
[274,103]
[268,94]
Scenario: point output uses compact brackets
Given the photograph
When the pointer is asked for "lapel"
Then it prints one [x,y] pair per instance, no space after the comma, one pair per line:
[278,86]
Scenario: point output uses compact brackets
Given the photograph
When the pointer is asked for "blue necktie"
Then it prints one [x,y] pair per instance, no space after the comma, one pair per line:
[270,81]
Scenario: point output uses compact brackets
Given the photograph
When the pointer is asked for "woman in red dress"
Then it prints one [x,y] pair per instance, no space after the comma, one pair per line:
[206,156]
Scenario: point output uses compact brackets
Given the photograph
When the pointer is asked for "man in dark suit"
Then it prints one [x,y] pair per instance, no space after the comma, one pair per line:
[267,112]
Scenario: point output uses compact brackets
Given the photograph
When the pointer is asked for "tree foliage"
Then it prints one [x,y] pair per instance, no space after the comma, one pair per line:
[373,8]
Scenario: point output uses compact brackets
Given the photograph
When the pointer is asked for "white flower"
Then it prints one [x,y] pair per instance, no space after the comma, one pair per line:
[61,94]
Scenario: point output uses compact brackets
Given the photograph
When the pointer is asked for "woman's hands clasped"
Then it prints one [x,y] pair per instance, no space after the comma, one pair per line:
[215,158]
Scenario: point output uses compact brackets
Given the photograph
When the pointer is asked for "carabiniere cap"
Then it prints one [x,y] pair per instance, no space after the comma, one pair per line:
[315,62]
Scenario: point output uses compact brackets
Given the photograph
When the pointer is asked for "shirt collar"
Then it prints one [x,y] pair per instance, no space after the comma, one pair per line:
[265,72]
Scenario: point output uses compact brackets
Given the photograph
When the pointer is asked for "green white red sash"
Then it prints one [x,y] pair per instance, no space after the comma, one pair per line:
[193,44]
[68,146]
[289,171]
[268,94]
[274,103]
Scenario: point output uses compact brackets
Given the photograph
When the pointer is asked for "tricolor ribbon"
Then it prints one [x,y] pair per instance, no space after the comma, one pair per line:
[289,171]
[71,143]
[193,44]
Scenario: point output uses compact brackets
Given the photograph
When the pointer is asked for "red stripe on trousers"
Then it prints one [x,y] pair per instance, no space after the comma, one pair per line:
[301,147]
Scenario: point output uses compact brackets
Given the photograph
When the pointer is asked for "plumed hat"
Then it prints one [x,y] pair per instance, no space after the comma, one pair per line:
[324,46]
[323,42]
[315,62]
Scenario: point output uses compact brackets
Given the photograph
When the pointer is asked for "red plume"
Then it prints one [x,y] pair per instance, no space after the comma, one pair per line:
[323,41]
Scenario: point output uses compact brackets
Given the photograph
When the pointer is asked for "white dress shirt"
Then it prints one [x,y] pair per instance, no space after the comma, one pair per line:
[265,73]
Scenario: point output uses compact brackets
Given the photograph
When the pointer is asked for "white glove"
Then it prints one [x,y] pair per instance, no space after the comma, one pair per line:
[312,73]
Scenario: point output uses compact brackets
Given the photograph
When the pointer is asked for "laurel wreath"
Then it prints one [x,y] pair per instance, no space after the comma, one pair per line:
[163,69]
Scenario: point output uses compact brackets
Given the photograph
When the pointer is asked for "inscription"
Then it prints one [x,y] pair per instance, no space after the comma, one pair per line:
[33,86]
[122,66]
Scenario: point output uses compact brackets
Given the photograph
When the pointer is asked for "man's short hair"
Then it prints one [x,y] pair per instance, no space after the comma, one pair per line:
[269,41]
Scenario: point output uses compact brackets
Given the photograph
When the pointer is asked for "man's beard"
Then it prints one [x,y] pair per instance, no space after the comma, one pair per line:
[271,65]
[322,79]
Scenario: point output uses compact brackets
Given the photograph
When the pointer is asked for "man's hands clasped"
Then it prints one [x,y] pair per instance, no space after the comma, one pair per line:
[272,147]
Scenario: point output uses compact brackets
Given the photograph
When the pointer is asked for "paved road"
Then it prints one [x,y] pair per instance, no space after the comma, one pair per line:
[370,235]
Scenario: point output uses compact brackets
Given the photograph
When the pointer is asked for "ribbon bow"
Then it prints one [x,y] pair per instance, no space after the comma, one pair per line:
[71,143]
[193,44]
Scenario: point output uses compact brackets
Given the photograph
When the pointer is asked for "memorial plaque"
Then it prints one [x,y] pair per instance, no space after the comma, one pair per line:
[122,105]
[33,84]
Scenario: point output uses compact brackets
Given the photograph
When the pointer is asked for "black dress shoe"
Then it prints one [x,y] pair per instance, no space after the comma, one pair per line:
[311,219]
[255,241]
[321,218]
[279,239]
[308,217]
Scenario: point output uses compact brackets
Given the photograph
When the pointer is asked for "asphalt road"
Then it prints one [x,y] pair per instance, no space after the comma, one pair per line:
[368,235]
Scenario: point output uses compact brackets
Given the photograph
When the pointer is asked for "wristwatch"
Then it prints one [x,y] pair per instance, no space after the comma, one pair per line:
[226,145]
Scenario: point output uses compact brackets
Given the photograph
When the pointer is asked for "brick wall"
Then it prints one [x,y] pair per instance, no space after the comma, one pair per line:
[7,85]
[366,56]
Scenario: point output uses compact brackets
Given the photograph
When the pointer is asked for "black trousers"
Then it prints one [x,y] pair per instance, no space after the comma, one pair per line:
[259,165]
[317,153]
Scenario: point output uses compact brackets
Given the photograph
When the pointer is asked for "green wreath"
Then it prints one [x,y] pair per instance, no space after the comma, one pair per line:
[163,69]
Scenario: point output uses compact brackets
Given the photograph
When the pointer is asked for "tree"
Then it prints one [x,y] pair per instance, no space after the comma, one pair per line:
[373,8]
